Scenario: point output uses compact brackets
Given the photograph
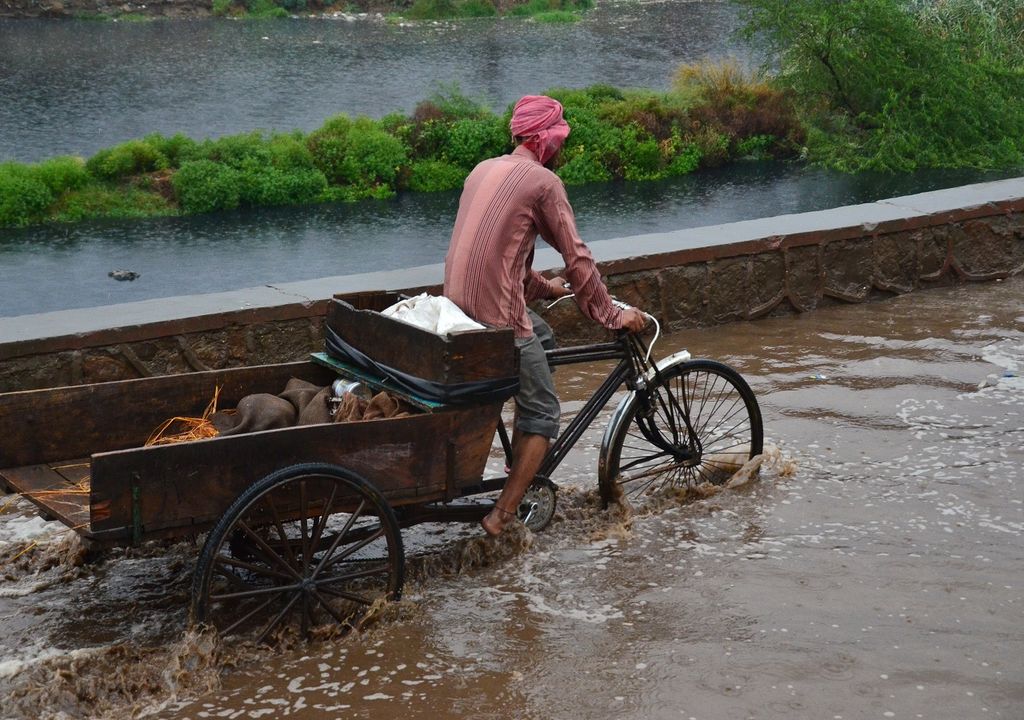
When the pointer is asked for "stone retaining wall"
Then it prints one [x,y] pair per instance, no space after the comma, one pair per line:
[694,277]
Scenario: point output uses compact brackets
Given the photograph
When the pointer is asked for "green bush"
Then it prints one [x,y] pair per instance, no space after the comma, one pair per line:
[97,201]
[477,8]
[236,151]
[24,197]
[265,9]
[129,158]
[533,7]
[329,145]
[176,148]
[204,186]
[372,157]
[584,168]
[290,152]
[435,176]
[641,156]
[433,10]
[757,146]
[557,16]
[452,104]
[275,186]
[62,173]
[685,160]
[469,141]
[591,137]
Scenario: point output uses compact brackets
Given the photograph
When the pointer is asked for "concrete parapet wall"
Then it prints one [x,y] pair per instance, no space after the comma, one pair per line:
[688,278]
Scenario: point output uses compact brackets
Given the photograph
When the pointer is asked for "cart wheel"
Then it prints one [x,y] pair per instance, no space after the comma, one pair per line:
[312,543]
[538,504]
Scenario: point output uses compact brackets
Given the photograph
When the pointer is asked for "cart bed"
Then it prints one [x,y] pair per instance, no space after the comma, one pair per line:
[136,493]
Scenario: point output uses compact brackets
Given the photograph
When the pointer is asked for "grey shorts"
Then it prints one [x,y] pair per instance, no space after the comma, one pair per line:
[536,402]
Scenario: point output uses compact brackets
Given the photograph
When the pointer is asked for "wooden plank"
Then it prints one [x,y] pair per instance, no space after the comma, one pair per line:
[77,421]
[454,358]
[189,484]
[50,491]
[470,441]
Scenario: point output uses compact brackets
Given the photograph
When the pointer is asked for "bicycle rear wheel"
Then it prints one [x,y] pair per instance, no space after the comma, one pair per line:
[638,462]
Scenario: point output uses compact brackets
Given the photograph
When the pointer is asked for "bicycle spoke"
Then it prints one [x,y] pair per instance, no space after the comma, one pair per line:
[352,575]
[280,530]
[278,618]
[270,554]
[255,592]
[703,411]
[344,531]
[349,550]
[288,554]
[338,617]
[237,623]
[251,567]
[303,529]
[345,595]
[325,514]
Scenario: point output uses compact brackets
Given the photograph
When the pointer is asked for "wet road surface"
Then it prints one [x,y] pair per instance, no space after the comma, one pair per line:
[874,571]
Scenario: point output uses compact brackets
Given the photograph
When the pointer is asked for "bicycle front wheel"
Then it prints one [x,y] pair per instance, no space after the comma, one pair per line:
[649,447]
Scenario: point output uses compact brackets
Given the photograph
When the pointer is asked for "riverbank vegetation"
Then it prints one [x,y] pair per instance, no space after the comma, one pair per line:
[540,10]
[713,114]
[892,85]
[898,85]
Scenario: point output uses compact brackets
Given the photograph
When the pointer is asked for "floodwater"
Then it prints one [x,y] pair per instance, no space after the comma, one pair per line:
[873,571]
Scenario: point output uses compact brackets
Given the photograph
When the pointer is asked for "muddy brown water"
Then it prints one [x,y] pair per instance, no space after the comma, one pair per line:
[874,570]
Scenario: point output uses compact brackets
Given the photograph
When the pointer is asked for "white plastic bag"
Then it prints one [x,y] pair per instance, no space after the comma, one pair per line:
[434,313]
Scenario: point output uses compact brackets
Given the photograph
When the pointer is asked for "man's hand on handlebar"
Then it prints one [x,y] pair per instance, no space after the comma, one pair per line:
[634,320]
[559,287]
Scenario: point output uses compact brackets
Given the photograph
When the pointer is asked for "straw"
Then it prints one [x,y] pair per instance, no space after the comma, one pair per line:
[186,429]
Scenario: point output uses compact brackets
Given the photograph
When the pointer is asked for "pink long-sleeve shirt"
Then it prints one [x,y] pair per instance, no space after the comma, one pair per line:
[506,202]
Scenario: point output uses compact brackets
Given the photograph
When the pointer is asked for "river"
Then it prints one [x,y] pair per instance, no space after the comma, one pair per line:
[874,570]
[78,86]
[73,87]
[62,267]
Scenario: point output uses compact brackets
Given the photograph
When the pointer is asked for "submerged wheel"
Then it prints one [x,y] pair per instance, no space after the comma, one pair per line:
[537,507]
[306,545]
[643,455]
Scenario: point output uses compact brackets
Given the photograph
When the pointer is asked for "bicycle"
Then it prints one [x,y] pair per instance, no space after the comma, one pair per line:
[683,422]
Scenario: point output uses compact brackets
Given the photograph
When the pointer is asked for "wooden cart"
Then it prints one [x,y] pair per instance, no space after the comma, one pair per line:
[302,522]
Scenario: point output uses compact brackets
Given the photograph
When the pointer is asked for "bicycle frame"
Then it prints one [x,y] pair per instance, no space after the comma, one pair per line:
[631,370]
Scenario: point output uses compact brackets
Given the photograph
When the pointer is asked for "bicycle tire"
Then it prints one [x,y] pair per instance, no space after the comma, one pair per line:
[724,415]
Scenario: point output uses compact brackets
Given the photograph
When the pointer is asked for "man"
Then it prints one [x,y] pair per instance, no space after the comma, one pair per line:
[506,202]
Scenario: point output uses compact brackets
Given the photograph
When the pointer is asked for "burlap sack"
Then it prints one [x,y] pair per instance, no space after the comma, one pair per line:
[384,405]
[351,409]
[261,411]
[317,410]
[299,393]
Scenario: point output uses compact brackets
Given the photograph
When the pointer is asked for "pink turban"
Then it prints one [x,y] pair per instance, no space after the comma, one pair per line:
[538,119]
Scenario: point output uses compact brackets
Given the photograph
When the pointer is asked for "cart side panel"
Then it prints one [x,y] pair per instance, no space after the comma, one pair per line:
[58,423]
[187,486]
[458,357]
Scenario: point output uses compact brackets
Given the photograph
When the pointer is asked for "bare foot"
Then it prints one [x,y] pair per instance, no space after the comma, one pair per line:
[497,520]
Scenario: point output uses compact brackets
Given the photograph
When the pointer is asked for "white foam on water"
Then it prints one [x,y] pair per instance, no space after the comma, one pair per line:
[25,529]
[27,656]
